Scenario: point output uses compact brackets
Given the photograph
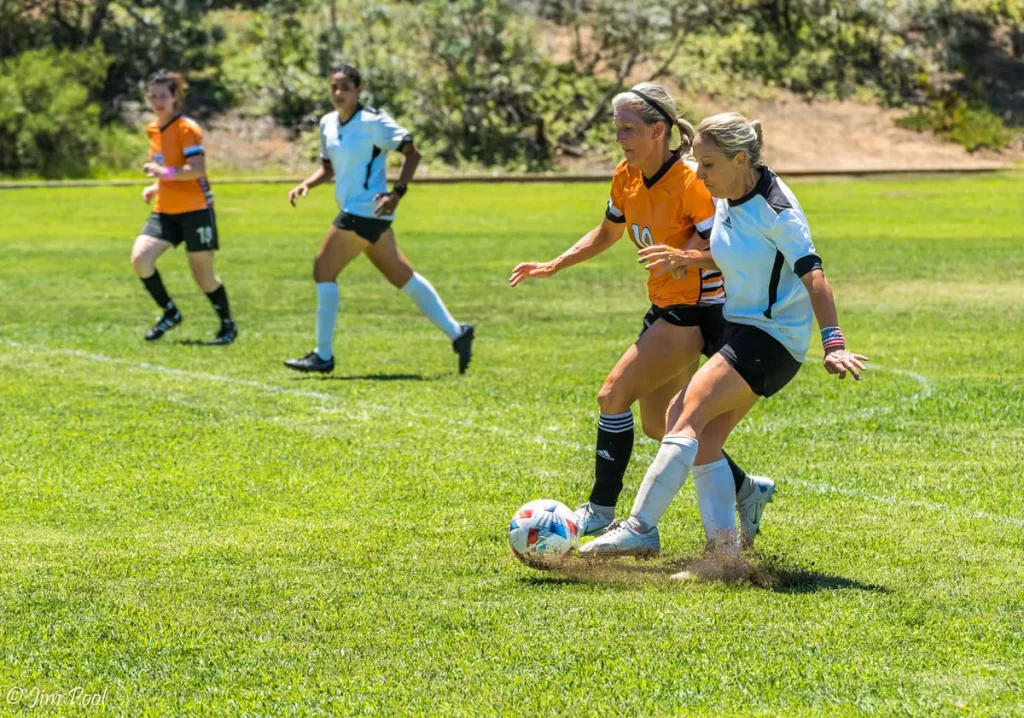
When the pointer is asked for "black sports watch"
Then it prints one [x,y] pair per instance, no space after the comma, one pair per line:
[400,188]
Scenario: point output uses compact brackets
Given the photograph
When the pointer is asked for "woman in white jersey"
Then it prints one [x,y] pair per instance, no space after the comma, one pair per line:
[354,141]
[776,288]
[656,194]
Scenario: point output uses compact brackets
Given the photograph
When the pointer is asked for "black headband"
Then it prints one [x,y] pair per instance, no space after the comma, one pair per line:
[656,106]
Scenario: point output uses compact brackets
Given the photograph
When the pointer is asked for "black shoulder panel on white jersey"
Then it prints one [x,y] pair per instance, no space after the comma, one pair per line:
[774,195]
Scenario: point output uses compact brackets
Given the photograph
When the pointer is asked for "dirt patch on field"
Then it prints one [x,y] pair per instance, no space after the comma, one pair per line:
[256,145]
[849,135]
[801,135]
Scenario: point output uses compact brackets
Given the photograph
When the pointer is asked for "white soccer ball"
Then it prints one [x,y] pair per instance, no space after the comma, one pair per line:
[543,533]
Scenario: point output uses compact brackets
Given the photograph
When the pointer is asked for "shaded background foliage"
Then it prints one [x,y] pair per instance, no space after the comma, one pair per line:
[468,77]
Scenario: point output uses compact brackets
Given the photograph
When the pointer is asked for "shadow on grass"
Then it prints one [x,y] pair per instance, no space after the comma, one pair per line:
[765,572]
[382,377]
[196,343]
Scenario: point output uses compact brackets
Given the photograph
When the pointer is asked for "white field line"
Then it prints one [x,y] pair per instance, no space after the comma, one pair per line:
[926,390]
[927,386]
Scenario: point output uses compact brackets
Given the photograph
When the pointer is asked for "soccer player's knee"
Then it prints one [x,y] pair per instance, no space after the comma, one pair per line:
[610,398]
[142,263]
[399,276]
[653,430]
[208,281]
[321,272]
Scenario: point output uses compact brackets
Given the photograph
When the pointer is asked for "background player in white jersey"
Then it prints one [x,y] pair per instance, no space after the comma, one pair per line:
[354,141]
[775,288]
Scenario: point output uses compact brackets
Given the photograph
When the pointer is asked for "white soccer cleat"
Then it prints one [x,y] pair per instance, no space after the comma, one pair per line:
[751,506]
[589,522]
[621,540]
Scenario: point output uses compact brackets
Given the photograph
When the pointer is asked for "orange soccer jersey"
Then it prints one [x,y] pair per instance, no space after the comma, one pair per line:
[172,146]
[666,209]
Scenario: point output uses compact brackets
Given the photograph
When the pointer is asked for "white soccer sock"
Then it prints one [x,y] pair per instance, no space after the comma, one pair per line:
[427,299]
[326,315]
[663,480]
[716,499]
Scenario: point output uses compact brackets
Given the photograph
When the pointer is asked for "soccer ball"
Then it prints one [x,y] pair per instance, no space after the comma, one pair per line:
[543,533]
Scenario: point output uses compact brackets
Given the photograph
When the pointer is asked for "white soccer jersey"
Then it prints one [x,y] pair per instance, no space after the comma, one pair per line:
[357,151]
[762,244]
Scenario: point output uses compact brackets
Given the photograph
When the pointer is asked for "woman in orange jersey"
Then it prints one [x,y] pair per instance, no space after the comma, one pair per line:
[184,208]
[658,197]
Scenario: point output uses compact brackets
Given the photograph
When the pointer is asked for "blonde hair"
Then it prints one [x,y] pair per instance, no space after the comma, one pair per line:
[732,132]
[653,103]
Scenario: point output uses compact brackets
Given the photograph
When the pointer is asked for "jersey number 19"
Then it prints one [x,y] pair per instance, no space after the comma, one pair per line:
[205,235]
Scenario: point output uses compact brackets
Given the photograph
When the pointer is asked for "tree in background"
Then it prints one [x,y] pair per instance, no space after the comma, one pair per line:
[49,122]
[616,38]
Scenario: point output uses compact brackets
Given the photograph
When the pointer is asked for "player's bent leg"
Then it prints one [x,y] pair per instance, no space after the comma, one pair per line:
[714,482]
[201,264]
[654,405]
[711,392]
[389,260]
[339,248]
[651,363]
[754,494]
[145,252]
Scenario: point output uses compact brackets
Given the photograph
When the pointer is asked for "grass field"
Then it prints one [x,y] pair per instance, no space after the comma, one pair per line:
[188,530]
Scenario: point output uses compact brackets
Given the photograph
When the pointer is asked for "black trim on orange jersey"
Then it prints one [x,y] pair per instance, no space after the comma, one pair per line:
[621,219]
[648,183]
[807,264]
[171,122]
[773,284]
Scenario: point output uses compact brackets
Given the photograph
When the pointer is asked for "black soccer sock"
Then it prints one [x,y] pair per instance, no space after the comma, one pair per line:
[614,447]
[155,286]
[738,474]
[219,299]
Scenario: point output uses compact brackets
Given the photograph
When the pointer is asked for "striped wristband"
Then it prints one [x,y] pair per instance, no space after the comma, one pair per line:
[832,338]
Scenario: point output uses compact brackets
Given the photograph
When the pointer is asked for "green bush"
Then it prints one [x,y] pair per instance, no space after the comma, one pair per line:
[825,48]
[465,76]
[49,124]
[119,149]
[966,122]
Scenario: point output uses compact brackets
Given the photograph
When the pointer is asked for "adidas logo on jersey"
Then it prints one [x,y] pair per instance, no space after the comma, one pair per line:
[727,222]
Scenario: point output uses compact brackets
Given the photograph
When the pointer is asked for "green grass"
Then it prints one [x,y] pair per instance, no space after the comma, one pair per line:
[196,531]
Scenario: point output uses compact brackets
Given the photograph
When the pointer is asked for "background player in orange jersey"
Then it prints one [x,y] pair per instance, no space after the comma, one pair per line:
[184,207]
[659,198]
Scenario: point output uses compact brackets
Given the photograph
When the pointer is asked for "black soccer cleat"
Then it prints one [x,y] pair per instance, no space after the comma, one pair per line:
[311,362]
[227,334]
[164,324]
[463,346]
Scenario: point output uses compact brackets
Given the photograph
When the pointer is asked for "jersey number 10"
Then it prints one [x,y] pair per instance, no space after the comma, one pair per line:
[642,237]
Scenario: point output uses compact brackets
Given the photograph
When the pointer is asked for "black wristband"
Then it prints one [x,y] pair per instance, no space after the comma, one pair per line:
[400,188]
